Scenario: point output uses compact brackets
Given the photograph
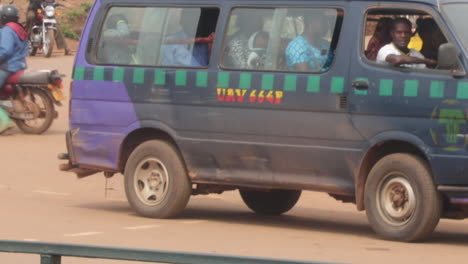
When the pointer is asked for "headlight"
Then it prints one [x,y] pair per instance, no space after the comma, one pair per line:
[50,11]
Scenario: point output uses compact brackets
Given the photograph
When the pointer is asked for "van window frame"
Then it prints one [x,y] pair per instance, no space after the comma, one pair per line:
[98,30]
[226,26]
[410,7]
[445,16]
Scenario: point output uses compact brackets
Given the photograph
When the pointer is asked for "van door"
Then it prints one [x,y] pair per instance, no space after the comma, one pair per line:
[409,103]
[308,141]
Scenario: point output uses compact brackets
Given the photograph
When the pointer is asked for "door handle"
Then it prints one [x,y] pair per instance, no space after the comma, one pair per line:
[360,84]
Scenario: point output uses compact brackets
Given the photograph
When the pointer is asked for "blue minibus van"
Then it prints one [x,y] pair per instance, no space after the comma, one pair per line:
[364,100]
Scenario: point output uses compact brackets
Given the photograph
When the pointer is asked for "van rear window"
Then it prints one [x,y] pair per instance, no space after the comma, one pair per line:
[283,39]
[157,36]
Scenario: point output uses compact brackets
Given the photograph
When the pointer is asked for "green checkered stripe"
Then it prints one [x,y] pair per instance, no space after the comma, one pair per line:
[413,88]
[287,83]
[268,81]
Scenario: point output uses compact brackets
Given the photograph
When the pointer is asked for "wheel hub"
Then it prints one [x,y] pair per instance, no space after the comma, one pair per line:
[151,181]
[155,180]
[33,108]
[396,200]
[399,197]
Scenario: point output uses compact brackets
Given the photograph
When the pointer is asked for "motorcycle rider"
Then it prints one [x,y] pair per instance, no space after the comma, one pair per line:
[31,15]
[13,49]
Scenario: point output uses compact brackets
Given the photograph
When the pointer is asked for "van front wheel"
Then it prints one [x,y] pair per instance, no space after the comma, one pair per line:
[274,202]
[401,200]
[156,183]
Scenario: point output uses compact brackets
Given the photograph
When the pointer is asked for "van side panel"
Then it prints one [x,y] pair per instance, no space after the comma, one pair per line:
[287,130]
[283,130]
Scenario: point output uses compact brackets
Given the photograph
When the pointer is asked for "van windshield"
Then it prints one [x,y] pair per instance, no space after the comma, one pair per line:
[456,14]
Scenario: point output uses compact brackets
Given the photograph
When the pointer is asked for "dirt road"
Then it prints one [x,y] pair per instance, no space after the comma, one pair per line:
[40,203]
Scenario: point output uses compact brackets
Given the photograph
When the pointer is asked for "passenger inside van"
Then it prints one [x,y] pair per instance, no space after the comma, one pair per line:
[310,51]
[116,26]
[397,53]
[116,45]
[175,49]
[431,36]
[416,41]
[258,44]
[236,52]
[380,38]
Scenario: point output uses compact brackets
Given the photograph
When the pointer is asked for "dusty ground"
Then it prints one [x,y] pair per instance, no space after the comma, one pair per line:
[40,203]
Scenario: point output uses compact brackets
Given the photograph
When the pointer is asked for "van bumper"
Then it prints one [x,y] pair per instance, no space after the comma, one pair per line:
[456,194]
[71,165]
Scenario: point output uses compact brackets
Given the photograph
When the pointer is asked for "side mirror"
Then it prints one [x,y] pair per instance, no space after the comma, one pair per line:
[448,56]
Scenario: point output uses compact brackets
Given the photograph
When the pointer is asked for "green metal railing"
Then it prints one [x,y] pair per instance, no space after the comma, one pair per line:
[52,254]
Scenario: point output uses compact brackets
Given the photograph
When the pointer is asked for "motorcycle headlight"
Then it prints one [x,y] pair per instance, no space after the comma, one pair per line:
[50,11]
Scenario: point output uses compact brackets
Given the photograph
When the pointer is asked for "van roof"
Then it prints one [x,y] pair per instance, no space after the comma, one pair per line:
[426,2]
[430,2]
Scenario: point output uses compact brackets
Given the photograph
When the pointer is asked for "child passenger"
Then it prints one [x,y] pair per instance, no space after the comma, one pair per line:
[257,45]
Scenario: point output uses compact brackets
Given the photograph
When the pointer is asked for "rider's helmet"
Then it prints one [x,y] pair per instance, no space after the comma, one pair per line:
[9,13]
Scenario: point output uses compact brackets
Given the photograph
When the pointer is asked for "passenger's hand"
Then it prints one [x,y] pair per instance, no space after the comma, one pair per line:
[253,60]
[430,62]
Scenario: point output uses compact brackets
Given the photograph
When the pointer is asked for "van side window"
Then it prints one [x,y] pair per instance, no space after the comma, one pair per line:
[403,38]
[247,38]
[154,36]
[281,39]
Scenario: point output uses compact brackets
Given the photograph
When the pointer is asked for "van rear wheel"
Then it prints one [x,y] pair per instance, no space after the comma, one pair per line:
[274,202]
[156,183]
[401,200]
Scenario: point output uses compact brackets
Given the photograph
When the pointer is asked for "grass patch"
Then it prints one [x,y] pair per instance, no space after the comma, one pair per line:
[73,21]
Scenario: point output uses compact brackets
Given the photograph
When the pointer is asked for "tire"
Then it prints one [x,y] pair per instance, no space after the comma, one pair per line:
[47,113]
[156,182]
[48,45]
[33,52]
[401,200]
[274,202]
[32,49]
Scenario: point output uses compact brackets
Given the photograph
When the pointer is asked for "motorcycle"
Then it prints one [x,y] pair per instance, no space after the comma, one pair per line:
[30,99]
[43,31]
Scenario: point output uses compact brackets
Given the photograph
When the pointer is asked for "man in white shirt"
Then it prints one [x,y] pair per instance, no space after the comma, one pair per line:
[397,53]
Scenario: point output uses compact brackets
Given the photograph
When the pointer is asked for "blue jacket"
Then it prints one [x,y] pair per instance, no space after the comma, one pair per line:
[13,48]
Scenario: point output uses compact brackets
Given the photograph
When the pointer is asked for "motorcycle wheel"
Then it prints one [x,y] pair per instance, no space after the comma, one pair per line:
[46,116]
[48,45]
